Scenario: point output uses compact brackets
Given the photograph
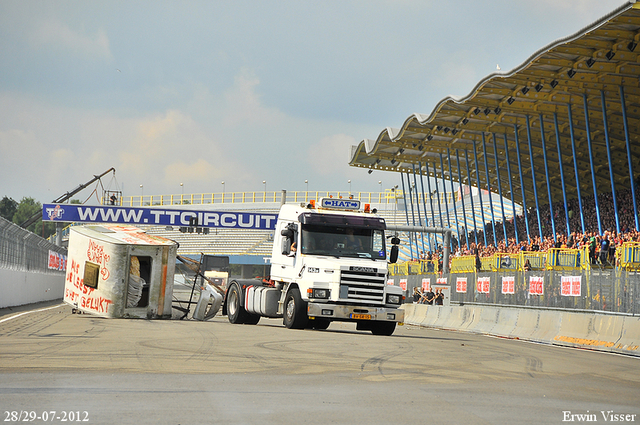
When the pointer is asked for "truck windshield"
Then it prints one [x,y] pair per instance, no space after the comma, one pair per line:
[341,241]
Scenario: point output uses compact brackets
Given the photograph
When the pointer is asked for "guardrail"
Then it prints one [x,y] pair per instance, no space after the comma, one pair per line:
[386,197]
[627,257]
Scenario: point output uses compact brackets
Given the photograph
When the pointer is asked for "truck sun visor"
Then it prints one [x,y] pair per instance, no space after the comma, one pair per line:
[342,220]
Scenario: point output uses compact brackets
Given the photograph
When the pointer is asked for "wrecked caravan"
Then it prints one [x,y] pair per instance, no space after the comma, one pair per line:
[119,271]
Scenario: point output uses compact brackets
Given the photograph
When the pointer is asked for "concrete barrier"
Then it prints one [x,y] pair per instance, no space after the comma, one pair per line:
[629,336]
[21,287]
[506,322]
[592,330]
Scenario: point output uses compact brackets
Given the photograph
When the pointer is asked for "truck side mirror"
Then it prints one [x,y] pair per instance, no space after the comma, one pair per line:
[393,256]
[286,245]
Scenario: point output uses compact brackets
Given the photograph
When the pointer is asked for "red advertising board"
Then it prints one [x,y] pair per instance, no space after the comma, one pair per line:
[508,284]
[403,284]
[536,285]
[571,286]
[483,284]
[426,284]
[461,284]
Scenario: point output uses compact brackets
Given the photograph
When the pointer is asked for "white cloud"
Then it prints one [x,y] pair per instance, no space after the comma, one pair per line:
[53,34]
[243,105]
[330,154]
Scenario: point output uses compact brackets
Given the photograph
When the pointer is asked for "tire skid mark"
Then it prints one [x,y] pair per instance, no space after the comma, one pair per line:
[207,344]
[379,361]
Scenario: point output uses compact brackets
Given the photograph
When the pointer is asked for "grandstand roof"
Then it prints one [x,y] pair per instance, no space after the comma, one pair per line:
[554,84]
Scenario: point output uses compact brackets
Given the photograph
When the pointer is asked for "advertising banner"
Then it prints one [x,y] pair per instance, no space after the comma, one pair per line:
[483,284]
[461,284]
[162,216]
[536,285]
[571,286]
[403,284]
[57,261]
[426,284]
[508,284]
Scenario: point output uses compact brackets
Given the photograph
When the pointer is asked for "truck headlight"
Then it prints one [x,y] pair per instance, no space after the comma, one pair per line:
[320,293]
[393,299]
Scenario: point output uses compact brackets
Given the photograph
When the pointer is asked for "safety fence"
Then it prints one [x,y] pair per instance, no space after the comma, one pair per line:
[604,290]
[26,251]
[625,257]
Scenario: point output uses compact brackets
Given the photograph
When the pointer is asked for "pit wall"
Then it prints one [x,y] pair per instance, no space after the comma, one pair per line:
[590,330]
[26,287]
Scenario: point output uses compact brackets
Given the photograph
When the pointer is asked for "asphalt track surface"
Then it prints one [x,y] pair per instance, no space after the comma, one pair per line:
[122,371]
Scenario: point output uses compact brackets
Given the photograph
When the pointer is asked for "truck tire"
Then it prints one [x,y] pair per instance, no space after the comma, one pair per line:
[295,310]
[252,319]
[383,328]
[235,312]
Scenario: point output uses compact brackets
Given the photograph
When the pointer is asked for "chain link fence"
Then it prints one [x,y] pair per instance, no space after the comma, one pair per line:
[607,290]
[25,251]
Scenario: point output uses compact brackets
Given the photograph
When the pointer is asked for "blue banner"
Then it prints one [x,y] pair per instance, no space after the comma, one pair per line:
[157,216]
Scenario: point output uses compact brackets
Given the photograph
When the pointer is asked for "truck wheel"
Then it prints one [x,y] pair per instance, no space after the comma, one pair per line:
[252,319]
[320,324]
[235,312]
[383,328]
[295,310]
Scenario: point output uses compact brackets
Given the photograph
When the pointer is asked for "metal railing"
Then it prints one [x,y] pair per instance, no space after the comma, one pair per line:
[627,257]
[386,197]
[25,251]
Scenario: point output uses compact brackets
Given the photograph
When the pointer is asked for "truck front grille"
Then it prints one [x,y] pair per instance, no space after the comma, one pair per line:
[362,287]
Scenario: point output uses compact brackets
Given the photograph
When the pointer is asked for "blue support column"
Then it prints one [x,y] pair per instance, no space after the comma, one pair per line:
[406,212]
[533,176]
[433,216]
[628,140]
[484,227]
[564,192]
[455,208]
[606,138]
[415,188]
[486,171]
[504,217]
[438,195]
[473,210]
[446,202]
[464,212]
[424,203]
[413,214]
[546,173]
[593,171]
[524,200]
[575,165]
[513,203]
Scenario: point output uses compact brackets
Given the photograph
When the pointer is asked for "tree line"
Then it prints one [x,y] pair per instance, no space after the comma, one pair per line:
[19,212]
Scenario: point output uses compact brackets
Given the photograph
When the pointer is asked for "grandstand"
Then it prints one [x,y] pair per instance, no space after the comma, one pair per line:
[254,246]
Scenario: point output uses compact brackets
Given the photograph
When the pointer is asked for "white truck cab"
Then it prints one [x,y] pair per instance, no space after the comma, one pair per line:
[329,263]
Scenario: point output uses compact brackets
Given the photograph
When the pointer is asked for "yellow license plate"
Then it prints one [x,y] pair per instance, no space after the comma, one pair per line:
[360,316]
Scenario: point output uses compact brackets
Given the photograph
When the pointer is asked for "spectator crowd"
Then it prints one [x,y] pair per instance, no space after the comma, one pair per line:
[601,245]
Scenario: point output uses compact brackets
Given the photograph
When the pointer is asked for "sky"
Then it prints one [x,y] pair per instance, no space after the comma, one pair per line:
[242,92]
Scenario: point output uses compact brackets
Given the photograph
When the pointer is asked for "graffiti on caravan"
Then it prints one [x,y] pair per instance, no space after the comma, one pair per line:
[157,216]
